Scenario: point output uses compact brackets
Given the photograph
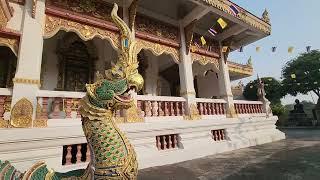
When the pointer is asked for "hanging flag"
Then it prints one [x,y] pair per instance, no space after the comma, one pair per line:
[308,48]
[241,49]
[222,23]
[203,41]
[225,49]
[290,49]
[293,76]
[212,32]
[274,49]
[235,11]
[258,49]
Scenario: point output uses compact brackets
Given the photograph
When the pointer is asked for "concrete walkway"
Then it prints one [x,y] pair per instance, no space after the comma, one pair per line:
[296,158]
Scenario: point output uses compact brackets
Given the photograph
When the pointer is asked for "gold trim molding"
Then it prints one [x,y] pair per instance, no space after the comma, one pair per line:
[21,114]
[86,32]
[193,113]
[243,15]
[27,81]
[157,49]
[5,13]
[204,60]
[241,69]
[13,44]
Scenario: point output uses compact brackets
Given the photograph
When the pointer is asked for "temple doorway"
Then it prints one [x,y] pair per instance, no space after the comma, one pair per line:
[76,64]
[8,63]
[205,75]
[160,73]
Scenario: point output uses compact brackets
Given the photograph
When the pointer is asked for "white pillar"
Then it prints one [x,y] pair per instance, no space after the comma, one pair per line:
[186,75]
[225,85]
[27,77]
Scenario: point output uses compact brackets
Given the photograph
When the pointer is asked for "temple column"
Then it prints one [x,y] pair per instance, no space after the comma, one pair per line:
[27,77]
[225,85]
[186,78]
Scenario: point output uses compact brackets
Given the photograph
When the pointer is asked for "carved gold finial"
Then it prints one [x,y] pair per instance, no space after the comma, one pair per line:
[265,16]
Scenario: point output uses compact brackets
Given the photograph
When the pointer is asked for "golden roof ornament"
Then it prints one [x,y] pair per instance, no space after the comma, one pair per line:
[265,16]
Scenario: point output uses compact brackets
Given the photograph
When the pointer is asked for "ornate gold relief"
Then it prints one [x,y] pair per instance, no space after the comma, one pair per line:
[53,24]
[240,68]
[188,31]
[193,113]
[4,123]
[21,114]
[39,121]
[133,115]
[5,13]
[204,60]
[34,8]
[157,49]
[13,44]
[27,81]
[231,112]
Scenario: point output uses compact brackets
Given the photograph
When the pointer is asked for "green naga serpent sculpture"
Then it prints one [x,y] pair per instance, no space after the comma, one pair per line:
[113,157]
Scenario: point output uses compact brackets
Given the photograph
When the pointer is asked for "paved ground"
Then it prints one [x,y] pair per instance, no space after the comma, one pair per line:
[296,158]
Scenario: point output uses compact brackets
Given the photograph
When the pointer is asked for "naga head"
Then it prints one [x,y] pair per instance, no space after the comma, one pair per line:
[113,89]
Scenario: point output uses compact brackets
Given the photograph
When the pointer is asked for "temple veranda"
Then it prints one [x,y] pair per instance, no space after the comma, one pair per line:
[188,109]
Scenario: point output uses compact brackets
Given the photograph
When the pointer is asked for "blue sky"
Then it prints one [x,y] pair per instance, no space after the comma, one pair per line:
[294,23]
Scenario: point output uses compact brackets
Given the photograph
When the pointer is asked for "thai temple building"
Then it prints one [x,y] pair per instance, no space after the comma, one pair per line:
[50,49]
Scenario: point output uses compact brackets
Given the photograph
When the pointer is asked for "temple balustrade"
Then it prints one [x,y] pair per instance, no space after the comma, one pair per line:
[160,106]
[62,105]
[248,107]
[210,107]
[75,156]
[5,106]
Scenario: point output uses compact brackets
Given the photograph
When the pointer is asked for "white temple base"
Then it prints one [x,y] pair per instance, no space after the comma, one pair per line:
[23,147]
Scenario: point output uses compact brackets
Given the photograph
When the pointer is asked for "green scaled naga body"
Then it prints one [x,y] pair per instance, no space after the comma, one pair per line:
[113,157]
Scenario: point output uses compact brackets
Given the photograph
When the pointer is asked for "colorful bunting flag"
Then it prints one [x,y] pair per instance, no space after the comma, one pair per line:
[308,48]
[274,49]
[258,49]
[222,23]
[241,49]
[203,41]
[290,49]
[235,11]
[212,32]
[293,76]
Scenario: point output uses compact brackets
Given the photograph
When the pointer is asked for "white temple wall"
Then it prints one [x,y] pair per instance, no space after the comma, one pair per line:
[208,85]
[164,87]
[15,22]
[49,66]
[207,80]
[152,73]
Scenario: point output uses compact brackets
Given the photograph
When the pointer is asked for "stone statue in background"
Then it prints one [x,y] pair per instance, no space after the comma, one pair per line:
[298,107]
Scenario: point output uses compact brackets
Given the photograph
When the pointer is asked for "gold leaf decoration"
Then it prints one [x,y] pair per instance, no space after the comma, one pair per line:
[21,114]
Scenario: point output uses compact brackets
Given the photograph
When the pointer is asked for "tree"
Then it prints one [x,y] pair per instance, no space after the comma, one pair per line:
[272,88]
[302,74]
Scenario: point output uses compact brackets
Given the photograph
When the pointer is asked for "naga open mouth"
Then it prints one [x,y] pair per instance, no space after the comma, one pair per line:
[126,96]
